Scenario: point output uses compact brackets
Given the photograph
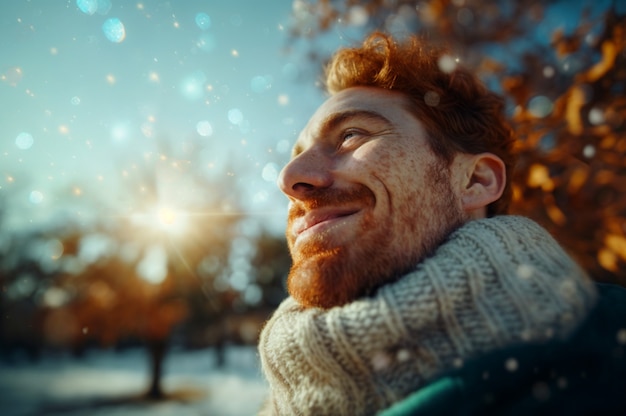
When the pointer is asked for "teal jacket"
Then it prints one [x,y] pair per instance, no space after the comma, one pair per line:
[583,375]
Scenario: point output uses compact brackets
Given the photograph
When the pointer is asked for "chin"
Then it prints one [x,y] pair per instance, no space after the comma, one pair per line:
[314,281]
[339,276]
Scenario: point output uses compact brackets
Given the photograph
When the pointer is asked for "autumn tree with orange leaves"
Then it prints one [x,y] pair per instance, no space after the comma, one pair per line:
[566,96]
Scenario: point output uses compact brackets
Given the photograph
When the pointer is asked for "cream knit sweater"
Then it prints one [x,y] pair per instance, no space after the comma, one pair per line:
[493,283]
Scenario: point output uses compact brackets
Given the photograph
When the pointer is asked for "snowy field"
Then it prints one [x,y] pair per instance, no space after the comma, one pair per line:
[110,383]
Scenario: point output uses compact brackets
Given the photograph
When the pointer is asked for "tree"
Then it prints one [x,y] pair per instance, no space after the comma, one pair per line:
[25,266]
[136,274]
[565,96]
[151,282]
[271,264]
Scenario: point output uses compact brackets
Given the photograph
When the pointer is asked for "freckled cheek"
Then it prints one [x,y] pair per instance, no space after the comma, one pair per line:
[373,159]
[405,183]
[388,167]
[398,169]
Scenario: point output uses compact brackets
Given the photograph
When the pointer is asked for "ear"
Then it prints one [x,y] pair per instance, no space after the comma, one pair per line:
[483,182]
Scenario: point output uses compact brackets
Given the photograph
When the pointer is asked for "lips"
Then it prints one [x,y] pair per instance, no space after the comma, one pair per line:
[317,218]
[321,210]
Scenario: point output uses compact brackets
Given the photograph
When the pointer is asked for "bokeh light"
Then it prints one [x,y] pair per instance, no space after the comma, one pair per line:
[270,172]
[114,30]
[260,83]
[358,15]
[153,266]
[91,7]
[203,21]
[192,86]
[540,106]
[235,116]
[24,141]
[206,42]
[88,7]
[12,76]
[36,197]
[447,63]
[204,128]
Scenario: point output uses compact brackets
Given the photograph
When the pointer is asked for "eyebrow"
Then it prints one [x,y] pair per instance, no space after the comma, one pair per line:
[336,119]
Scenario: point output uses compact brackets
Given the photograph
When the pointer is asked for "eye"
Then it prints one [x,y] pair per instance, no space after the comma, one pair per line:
[352,138]
[350,134]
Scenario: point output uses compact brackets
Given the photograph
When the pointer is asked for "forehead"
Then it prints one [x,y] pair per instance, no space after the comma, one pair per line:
[364,97]
[366,102]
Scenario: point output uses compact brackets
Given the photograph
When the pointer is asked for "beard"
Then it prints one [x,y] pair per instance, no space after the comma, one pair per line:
[325,275]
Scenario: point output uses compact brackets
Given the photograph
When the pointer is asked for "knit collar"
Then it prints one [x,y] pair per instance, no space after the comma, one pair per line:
[493,283]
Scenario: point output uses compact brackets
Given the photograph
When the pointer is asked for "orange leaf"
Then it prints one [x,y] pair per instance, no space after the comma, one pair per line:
[577,180]
[617,244]
[555,214]
[539,176]
[575,101]
[609,53]
[607,259]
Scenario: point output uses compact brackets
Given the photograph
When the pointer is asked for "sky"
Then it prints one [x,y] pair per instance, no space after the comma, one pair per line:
[95,92]
[102,101]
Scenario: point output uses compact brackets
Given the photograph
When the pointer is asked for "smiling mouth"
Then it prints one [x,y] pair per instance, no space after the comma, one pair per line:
[317,221]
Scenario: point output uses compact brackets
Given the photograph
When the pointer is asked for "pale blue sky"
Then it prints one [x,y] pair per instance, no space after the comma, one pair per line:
[79,110]
[82,111]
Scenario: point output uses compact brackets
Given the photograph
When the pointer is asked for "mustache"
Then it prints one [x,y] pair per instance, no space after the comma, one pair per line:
[320,198]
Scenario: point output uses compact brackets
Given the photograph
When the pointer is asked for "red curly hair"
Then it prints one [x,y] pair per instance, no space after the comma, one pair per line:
[456,109]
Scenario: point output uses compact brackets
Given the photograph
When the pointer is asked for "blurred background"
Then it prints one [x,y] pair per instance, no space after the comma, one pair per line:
[141,230]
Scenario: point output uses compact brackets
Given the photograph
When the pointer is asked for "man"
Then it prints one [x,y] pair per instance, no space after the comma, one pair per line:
[404,269]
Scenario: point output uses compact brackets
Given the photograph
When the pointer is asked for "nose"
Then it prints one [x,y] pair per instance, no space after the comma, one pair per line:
[308,171]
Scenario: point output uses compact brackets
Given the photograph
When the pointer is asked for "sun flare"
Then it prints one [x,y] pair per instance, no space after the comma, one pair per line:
[166,216]
[169,219]
[166,219]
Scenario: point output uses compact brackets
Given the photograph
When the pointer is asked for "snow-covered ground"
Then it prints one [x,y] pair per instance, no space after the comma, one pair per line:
[112,383]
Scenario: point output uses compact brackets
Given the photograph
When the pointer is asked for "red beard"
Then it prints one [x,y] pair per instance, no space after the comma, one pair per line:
[325,274]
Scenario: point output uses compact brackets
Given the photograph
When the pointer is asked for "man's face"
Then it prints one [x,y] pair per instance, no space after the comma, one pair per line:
[368,197]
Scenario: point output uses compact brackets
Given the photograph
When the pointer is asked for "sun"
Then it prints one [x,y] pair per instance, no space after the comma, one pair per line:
[167,217]
[169,220]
